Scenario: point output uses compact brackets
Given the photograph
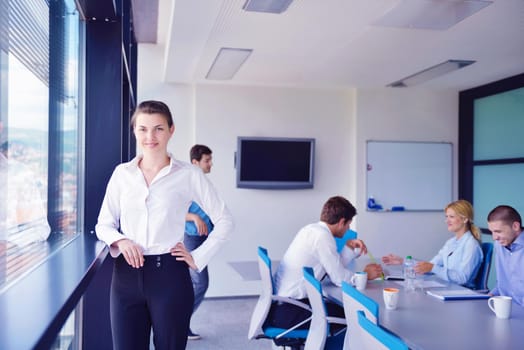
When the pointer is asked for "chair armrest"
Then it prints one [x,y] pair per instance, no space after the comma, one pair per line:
[331,299]
[293,328]
[291,301]
[337,320]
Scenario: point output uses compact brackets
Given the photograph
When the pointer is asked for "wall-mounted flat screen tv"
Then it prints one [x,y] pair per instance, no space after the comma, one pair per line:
[275,163]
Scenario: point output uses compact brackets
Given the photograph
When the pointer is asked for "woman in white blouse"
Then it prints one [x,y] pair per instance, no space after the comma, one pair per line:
[459,259]
[142,221]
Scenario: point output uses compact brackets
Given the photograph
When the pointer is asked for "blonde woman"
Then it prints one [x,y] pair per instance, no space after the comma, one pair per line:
[459,259]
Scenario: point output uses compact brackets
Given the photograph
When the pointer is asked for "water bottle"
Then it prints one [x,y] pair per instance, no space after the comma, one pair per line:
[409,274]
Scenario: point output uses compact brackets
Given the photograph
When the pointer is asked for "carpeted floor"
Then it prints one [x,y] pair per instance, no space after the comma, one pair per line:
[223,324]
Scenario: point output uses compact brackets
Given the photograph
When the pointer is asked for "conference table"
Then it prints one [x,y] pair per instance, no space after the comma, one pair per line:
[425,322]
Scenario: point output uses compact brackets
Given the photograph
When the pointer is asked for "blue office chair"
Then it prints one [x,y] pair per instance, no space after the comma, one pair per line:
[322,325]
[354,301]
[259,328]
[481,280]
[341,241]
[376,337]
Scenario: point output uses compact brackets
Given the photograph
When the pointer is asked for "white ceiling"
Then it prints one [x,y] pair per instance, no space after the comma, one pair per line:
[335,43]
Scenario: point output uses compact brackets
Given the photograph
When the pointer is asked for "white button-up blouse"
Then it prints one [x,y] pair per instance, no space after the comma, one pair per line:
[154,216]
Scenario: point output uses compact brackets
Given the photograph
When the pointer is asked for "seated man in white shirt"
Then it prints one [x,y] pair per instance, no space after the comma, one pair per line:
[315,246]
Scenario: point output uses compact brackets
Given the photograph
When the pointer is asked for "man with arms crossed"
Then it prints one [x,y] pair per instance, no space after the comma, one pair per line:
[505,225]
[315,246]
[198,226]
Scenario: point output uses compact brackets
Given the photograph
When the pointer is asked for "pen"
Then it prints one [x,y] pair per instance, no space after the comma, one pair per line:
[374,261]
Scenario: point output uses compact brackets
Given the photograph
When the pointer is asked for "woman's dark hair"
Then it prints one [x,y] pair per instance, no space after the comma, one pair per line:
[153,107]
[337,208]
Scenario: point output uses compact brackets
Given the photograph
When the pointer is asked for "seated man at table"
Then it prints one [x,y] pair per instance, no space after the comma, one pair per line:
[314,246]
[505,225]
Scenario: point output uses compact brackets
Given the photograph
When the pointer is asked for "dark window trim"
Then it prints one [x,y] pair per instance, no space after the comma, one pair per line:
[498,161]
[110,100]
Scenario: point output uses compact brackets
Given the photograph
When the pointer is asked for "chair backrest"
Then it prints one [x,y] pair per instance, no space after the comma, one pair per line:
[257,327]
[481,281]
[376,337]
[318,330]
[264,301]
[354,301]
[341,241]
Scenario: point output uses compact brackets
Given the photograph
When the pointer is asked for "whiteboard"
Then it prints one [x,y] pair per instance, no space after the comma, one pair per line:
[410,175]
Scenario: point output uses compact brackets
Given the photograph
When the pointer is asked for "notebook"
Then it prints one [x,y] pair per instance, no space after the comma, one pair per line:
[456,294]
[393,273]
[394,278]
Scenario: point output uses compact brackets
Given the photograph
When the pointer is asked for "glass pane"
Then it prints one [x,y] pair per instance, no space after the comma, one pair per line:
[494,185]
[26,153]
[69,130]
[499,121]
[23,161]
[38,113]
[66,339]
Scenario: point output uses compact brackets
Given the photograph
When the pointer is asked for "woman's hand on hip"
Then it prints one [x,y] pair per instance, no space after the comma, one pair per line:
[182,254]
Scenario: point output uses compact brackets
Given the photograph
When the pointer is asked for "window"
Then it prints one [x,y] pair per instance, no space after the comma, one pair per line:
[39,132]
[491,147]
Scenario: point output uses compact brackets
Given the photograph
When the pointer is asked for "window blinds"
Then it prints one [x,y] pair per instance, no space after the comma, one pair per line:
[24,33]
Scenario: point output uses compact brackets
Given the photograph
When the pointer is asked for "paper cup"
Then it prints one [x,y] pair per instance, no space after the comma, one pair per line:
[390,298]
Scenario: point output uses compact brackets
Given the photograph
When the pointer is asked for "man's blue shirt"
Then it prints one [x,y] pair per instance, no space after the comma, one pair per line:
[191,228]
[510,272]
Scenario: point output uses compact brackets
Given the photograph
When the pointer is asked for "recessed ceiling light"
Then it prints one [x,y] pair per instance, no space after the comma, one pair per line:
[430,14]
[431,72]
[268,6]
[227,63]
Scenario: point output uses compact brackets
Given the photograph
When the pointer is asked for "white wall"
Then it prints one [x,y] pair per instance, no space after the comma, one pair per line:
[340,120]
[268,217]
[178,97]
[405,114]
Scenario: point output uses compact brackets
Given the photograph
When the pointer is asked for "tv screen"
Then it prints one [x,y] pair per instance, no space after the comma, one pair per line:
[275,163]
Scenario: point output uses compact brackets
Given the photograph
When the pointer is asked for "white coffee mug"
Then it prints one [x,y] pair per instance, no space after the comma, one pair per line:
[501,306]
[390,298]
[359,280]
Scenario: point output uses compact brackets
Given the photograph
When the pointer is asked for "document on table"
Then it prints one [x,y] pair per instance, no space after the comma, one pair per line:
[419,283]
[456,294]
[428,284]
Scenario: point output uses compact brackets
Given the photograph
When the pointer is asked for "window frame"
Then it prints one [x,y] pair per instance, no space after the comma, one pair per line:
[466,135]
